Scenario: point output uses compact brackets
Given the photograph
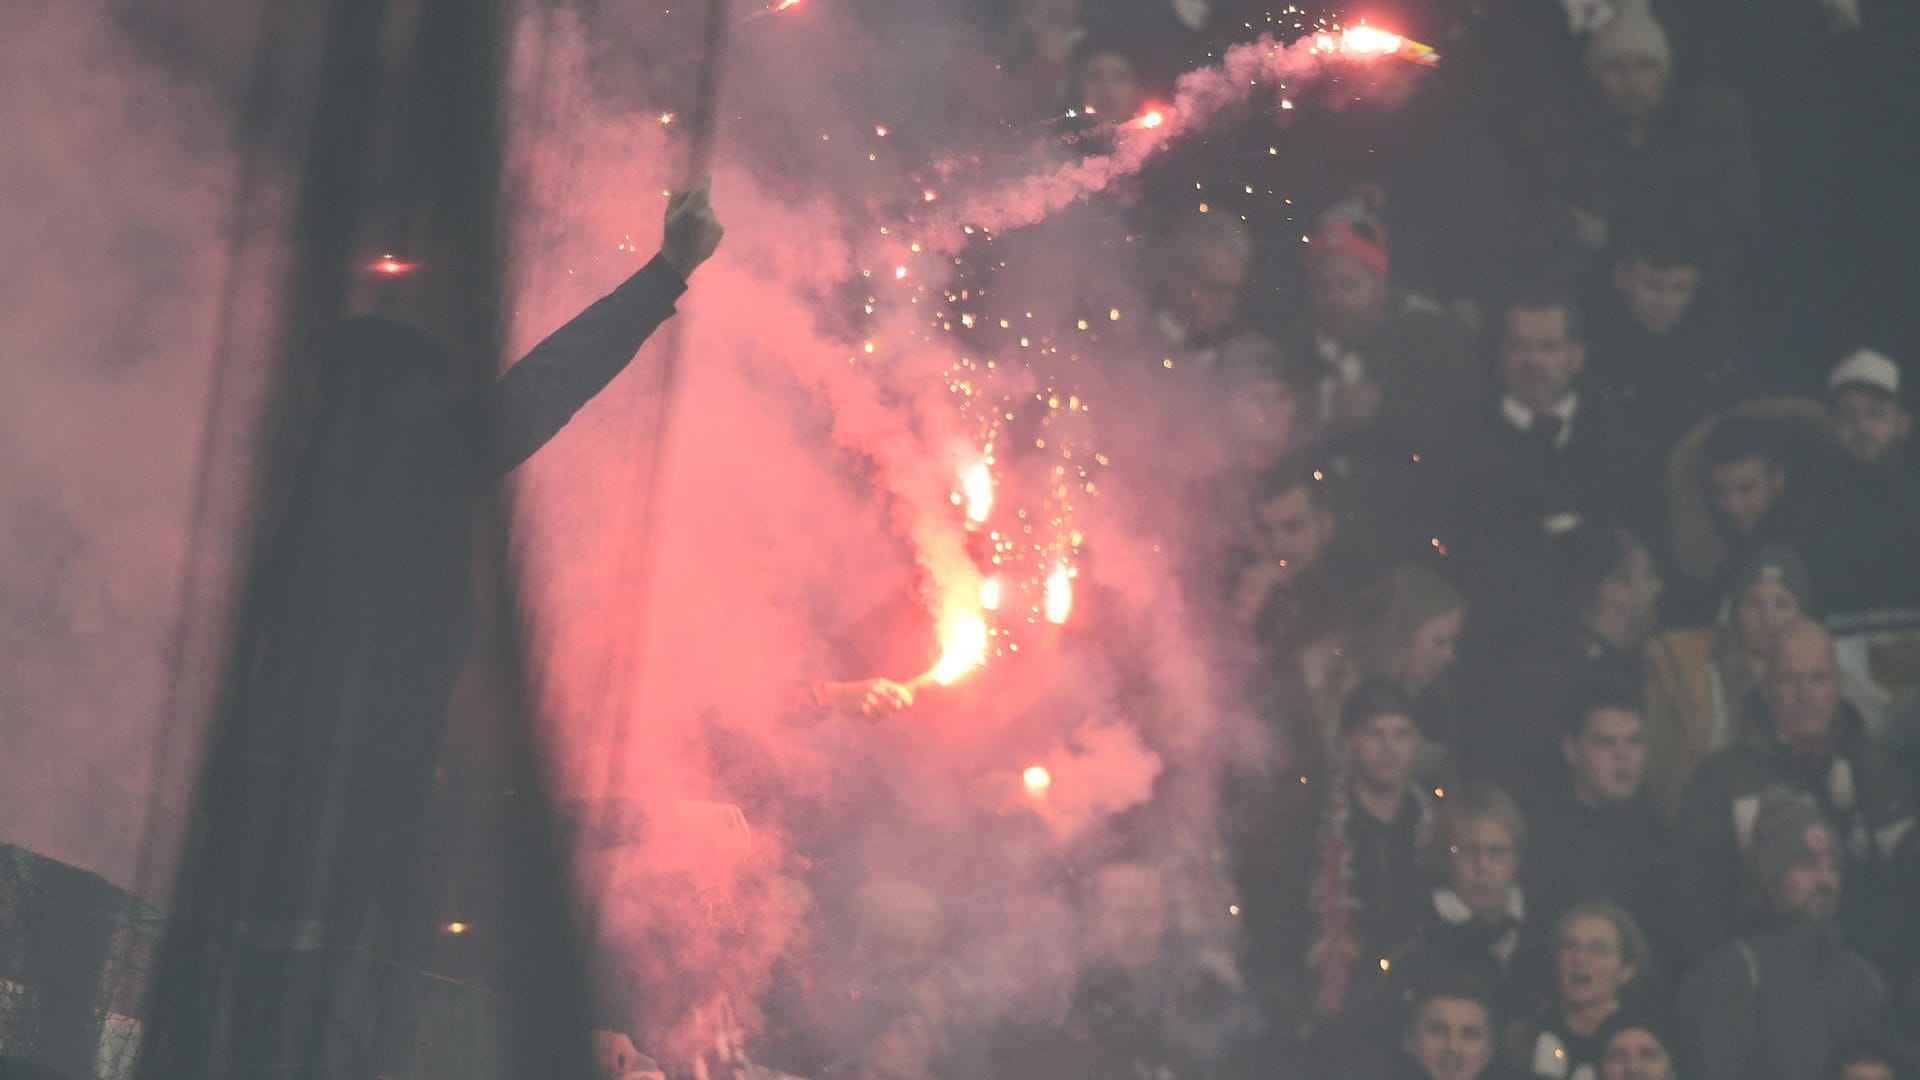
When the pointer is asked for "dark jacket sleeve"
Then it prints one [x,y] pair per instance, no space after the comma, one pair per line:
[540,393]
[1706,870]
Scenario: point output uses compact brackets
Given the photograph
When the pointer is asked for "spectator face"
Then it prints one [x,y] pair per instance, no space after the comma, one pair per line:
[1262,419]
[1658,297]
[1590,964]
[1634,1054]
[1634,87]
[1430,650]
[1744,491]
[1609,756]
[1297,531]
[1636,589]
[1380,751]
[1481,863]
[1801,689]
[1205,289]
[1348,300]
[1451,1038]
[1810,889]
[1871,424]
[1539,357]
[1760,612]
[1108,87]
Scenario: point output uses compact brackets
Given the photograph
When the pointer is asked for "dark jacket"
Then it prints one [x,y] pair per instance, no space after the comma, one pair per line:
[1862,791]
[1621,852]
[1776,1006]
[306,831]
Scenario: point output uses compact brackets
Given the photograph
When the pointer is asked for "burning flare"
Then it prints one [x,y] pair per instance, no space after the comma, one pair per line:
[1151,119]
[390,266]
[1059,601]
[1038,780]
[963,647]
[976,484]
[990,594]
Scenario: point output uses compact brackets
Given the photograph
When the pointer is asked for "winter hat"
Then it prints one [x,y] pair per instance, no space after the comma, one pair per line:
[1773,562]
[1634,1019]
[1787,827]
[1866,368]
[1361,236]
[1374,697]
[1632,32]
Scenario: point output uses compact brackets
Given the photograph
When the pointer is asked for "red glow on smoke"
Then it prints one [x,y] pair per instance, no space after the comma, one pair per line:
[390,266]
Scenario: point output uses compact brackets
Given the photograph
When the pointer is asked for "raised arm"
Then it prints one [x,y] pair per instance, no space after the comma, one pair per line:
[540,393]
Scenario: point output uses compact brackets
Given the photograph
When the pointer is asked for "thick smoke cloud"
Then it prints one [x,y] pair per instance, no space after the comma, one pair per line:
[801,516]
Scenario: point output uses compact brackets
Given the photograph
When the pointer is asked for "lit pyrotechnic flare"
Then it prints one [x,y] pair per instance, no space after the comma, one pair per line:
[1038,780]
[1059,601]
[1361,42]
[390,266]
[990,594]
[963,647]
[976,487]
[1150,119]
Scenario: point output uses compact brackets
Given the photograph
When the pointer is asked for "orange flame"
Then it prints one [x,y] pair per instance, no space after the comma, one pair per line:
[390,266]
[963,647]
[1369,41]
[1037,779]
[1152,118]
[1059,602]
[977,485]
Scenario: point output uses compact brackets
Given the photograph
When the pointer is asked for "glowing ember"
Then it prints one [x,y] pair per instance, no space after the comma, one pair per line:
[990,594]
[1037,779]
[391,266]
[666,118]
[977,485]
[1059,595]
[1152,118]
[899,272]
[963,647]
[456,928]
[929,195]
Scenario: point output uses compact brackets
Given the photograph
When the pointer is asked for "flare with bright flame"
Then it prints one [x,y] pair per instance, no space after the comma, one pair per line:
[1038,780]
[963,647]
[1059,599]
[976,486]
[1364,41]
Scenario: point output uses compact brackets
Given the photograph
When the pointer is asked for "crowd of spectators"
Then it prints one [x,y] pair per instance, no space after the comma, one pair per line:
[1585,573]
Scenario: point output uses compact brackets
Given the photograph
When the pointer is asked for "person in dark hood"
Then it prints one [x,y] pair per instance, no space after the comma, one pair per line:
[301,890]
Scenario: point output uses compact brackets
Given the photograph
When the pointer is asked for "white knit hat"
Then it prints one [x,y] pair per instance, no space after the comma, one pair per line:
[1866,368]
[1633,31]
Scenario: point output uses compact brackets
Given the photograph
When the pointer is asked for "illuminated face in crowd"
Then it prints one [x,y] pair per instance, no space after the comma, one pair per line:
[1634,86]
[1109,87]
[1590,963]
[1348,298]
[1539,358]
[1802,688]
[1205,288]
[1451,1038]
[1744,491]
[1379,751]
[1761,611]
[1297,531]
[1609,756]
[1635,1054]
[1810,887]
[1658,297]
[1481,863]
[1430,651]
[1870,424]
